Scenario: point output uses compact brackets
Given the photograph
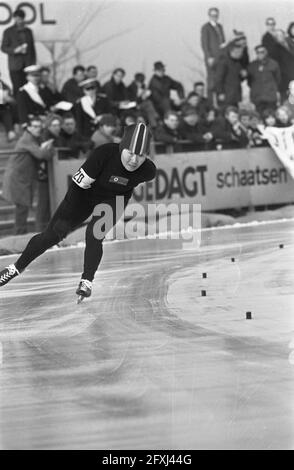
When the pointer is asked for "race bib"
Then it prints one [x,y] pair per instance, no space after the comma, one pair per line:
[82,179]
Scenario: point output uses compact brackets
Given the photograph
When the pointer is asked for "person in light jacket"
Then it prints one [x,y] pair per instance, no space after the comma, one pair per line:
[21,172]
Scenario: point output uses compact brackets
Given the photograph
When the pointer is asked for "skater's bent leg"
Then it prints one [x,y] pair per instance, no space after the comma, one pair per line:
[38,245]
[93,252]
[62,223]
[95,235]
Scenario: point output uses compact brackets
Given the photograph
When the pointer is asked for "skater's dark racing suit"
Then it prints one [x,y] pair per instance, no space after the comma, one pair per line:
[99,180]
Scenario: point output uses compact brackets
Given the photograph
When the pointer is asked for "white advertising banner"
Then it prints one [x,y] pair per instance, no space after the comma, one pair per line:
[282,142]
[217,180]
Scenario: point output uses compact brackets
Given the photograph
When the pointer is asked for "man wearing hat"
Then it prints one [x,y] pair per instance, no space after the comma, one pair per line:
[90,108]
[160,86]
[191,129]
[105,133]
[111,170]
[29,101]
[18,43]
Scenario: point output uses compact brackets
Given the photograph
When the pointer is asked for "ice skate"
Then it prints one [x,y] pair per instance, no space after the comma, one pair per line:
[84,290]
[7,274]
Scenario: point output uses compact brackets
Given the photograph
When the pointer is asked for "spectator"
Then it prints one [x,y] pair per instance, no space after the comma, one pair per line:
[161,86]
[138,92]
[212,39]
[283,117]
[71,90]
[211,123]
[269,118]
[51,134]
[264,79]
[269,40]
[47,92]
[90,108]
[285,59]
[228,77]
[290,37]
[52,130]
[21,172]
[239,40]
[71,139]
[204,105]
[245,118]
[18,43]
[29,100]
[7,110]
[168,133]
[190,129]
[230,132]
[92,72]
[289,102]
[255,135]
[106,132]
[116,90]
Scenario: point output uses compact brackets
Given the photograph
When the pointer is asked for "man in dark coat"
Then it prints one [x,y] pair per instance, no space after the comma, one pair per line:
[212,38]
[21,172]
[29,101]
[168,133]
[72,139]
[71,91]
[160,86]
[47,92]
[229,132]
[18,43]
[264,79]
[191,129]
[285,59]
[138,92]
[228,77]
[269,40]
[89,109]
[116,91]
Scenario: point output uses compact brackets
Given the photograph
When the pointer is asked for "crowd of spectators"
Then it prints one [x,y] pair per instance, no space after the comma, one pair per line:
[85,113]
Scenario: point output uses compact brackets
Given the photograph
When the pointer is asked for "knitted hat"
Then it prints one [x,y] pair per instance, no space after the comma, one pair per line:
[136,139]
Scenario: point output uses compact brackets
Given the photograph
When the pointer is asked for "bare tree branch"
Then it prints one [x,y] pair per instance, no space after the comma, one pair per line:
[99,43]
[81,27]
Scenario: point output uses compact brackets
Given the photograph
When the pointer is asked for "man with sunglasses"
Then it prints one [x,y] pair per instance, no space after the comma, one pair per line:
[90,108]
[111,170]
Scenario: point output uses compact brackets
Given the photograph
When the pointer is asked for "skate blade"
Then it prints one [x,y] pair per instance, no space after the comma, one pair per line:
[80,299]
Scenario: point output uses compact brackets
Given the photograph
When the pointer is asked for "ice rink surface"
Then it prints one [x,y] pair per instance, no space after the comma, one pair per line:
[148,362]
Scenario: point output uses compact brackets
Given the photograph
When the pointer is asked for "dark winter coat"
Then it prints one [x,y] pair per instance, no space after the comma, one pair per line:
[285,59]
[14,37]
[71,91]
[211,39]
[228,79]
[160,88]
[271,45]
[224,133]
[264,78]
[115,92]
